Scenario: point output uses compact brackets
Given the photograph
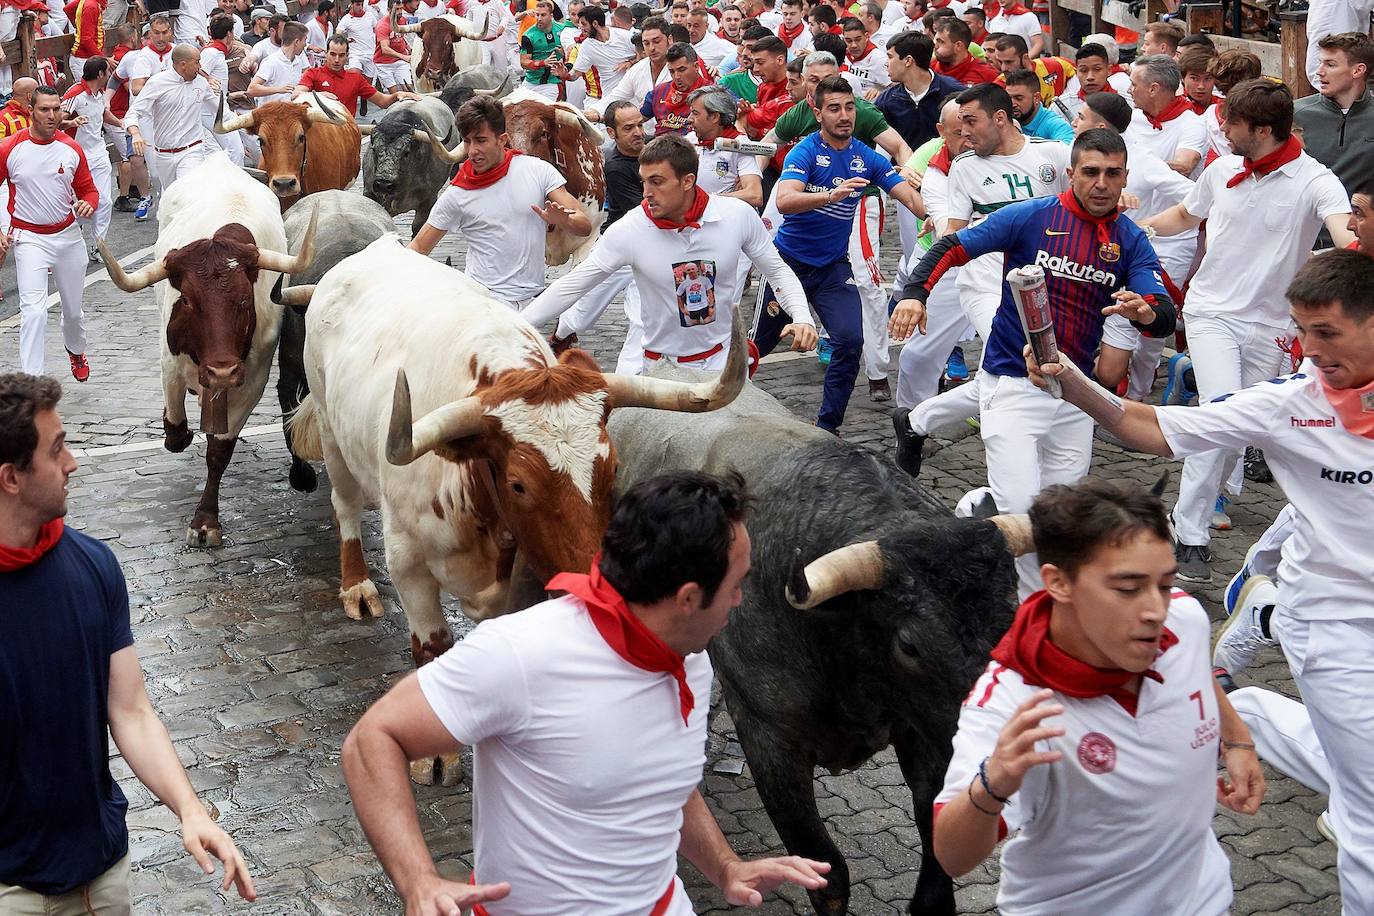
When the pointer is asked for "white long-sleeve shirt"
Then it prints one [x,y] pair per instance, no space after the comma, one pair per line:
[45,180]
[638,82]
[174,107]
[730,229]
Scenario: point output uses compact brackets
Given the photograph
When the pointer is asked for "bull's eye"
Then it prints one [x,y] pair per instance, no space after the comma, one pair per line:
[518,487]
[907,643]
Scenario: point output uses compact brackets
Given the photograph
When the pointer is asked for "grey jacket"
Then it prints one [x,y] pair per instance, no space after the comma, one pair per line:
[1344,143]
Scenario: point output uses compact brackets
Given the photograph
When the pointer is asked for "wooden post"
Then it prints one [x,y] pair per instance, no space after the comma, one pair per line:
[28,61]
[1204,17]
[1293,46]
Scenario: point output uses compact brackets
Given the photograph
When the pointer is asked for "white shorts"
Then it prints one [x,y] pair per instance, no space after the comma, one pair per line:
[366,65]
[393,74]
[122,142]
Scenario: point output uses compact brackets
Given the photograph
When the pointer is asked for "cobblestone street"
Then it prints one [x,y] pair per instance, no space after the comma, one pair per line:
[259,675]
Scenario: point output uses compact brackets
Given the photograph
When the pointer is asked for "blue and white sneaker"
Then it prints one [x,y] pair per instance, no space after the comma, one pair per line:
[1237,583]
[956,370]
[1176,390]
[823,350]
[1220,520]
[144,205]
[1244,633]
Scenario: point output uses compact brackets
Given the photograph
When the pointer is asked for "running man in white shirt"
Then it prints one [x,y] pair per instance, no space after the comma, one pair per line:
[87,115]
[358,26]
[1097,704]
[280,71]
[1317,432]
[600,56]
[50,187]
[679,225]
[865,60]
[1264,207]
[172,101]
[647,73]
[721,171]
[502,202]
[587,718]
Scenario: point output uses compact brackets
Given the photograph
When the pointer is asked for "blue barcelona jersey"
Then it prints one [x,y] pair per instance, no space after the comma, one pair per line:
[1081,273]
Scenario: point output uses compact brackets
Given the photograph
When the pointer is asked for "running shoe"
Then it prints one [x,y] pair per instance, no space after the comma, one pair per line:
[879,390]
[956,370]
[94,254]
[1256,468]
[823,350]
[81,370]
[144,205]
[909,444]
[1194,562]
[1247,628]
[1233,588]
[1220,520]
[123,204]
[1325,829]
[1176,390]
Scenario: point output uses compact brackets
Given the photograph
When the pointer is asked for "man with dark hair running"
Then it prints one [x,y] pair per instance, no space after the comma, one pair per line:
[587,717]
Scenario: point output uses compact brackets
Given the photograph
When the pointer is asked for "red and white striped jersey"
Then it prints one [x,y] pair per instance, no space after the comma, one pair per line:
[45,180]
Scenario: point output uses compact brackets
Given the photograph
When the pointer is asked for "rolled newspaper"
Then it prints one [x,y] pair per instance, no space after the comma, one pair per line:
[1033,306]
[748,147]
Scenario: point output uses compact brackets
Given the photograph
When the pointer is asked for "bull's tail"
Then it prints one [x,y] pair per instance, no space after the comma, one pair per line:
[304,424]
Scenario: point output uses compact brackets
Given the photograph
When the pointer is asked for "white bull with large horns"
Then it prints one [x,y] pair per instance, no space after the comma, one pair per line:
[220,248]
[439,403]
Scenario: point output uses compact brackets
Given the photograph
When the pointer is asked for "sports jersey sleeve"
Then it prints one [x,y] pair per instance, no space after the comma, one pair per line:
[83,185]
[797,165]
[1232,421]
[477,689]
[959,201]
[881,171]
[788,127]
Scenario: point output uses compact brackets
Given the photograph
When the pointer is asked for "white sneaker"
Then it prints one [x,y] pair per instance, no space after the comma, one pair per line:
[1325,829]
[1241,639]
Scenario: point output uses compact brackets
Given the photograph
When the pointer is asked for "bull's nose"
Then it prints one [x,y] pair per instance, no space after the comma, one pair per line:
[385,185]
[285,185]
[222,376]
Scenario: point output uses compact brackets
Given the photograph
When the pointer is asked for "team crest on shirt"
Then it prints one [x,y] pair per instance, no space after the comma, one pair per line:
[1097,753]
[823,161]
[61,170]
[856,164]
[1109,252]
[1047,173]
[722,168]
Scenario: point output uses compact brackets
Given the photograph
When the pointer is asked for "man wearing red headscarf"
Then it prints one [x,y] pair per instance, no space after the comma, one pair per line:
[587,718]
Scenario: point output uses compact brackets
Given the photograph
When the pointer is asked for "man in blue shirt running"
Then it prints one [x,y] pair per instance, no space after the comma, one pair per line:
[818,191]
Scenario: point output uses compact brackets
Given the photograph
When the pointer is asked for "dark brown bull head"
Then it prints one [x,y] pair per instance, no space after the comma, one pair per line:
[437,37]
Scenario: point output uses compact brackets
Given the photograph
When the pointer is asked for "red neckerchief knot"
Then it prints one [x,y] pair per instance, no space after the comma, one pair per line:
[12,558]
[623,631]
[1101,224]
[468,179]
[729,132]
[1354,407]
[941,161]
[789,33]
[1290,150]
[1106,87]
[1178,106]
[868,49]
[690,220]
[1027,650]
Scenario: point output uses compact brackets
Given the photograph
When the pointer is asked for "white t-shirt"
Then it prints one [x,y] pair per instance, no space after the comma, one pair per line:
[505,238]
[91,106]
[801,44]
[1216,137]
[581,762]
[361,35]
[1123,821]
[598,59]
[871,69]
[639,81]
[427,10]
[1258,234]
[143,63]
[730,230]
[1027,25]
[1183,132]
[1159,188]
[718,172]
[1326,472]
[713,49]
[1331,17]
[276,70]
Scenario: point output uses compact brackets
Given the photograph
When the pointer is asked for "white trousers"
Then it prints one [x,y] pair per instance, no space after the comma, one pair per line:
[103,176]
[166,168]
[923,357]
[1032,441]
[1283,735]
[1144,364]
[1265,555]
[547,90]
[908,229]
[1333,665]
[34,253]
[1228,355]
[958,404]
[867,219]
[231,143]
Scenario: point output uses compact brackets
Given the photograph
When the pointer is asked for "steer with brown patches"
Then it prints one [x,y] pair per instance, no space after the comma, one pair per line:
[220,247]
[439,403]
[307,146]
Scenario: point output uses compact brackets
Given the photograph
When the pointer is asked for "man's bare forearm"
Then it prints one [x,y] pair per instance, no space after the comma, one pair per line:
[147,748]
[701,841]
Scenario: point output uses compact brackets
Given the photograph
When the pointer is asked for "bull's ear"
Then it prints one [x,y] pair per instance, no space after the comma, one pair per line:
[1161,484]
[578,358]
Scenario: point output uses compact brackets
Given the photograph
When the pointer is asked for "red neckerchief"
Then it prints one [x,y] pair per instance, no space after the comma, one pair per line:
[1354,407]
[690,220]
[981,37]
[1291,149]
[12,558]
[961,71]
[1175,108]
[835,30]
[160,56]
[1016,9]
[1027,650]
[469,180]
[1106,87]
[118,51]
[729,132]
[676,99]
[623,631]
[219,45]
[940,162]
[991,9]
[1100,223]
[783,33]
[721,34]
[868,49]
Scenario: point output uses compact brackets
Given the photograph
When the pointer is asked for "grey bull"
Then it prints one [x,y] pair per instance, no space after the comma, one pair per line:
[867,616]
[401,170]
[347,224]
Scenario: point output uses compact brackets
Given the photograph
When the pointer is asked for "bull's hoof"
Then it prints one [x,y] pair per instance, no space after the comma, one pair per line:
[176,437]
[444,770]
[356,597]
[303,478]
[203,535]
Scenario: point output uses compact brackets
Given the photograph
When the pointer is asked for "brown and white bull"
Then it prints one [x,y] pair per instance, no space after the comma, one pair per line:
[560,135]
[220,247]
[441,52]
[440,404]
[307,146]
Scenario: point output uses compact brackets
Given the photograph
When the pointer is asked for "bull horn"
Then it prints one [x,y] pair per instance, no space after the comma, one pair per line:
[238,122]
[407,440]
[366,129]
[688,397]
[485,91]
[1017,530]
[296,296]
[325,114]
[141,279]
[458,154]
[292,264]
[259,174]
[852,568]
[467,29]
[404,28]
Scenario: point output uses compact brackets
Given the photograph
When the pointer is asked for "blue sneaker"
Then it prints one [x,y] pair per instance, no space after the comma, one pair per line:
[1233,588]
[956,370]
[1176,390]
[144,205]
[1220,520]
[823,350]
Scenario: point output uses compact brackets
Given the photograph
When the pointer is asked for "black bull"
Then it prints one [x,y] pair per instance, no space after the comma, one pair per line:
[832,686]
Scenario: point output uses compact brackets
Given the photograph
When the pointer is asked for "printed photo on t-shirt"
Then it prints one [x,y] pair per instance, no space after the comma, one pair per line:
[695,282]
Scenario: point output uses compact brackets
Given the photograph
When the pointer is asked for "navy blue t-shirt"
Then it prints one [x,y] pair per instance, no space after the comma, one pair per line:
[821,236]
[61,812]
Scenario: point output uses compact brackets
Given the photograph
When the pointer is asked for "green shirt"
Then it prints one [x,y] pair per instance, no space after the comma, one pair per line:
[542,46]
[742,85]
[800,120]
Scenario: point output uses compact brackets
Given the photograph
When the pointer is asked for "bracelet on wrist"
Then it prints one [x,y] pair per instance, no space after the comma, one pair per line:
[1236,746]
[973,801]
[983,778]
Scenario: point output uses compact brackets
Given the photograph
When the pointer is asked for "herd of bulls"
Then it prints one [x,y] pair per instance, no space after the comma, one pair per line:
[495,464]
